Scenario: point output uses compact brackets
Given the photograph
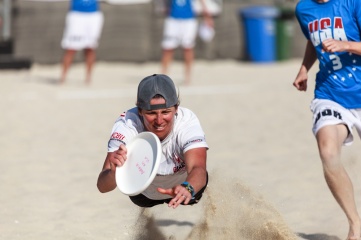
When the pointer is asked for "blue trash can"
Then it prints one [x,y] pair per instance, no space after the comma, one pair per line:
[260,32]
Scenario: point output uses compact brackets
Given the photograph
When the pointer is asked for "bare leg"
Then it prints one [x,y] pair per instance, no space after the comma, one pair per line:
[167,57]
[188,61]
[89,61]
[330,139]
[67,60]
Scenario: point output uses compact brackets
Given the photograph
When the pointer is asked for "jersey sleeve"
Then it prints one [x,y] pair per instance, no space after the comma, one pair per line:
[299,19]
[191,134]
[357,9]
[127,126]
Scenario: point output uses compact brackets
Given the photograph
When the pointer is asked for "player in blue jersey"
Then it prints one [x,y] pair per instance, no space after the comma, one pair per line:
[180,29]
[83,27]
[332,29]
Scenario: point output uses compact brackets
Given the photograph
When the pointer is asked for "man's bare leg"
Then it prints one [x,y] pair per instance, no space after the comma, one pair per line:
[330,140]
[67,60]
[167,57]
[188,62]
[89,61]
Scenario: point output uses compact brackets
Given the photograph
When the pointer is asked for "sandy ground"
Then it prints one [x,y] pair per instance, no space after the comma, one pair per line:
[266,179]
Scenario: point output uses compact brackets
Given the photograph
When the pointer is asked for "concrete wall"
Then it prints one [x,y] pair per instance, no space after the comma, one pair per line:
[131,33]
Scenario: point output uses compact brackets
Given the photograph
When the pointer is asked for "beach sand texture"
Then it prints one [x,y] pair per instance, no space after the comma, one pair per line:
[266,178]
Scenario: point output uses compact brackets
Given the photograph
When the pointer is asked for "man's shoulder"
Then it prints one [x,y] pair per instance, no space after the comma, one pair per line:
[303,4]
[185,112]
[130,114]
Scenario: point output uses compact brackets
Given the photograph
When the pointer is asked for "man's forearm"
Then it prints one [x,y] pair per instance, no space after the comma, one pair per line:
[106,181]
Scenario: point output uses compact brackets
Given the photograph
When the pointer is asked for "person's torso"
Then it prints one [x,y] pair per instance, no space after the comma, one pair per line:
[186,134]
[84,6]
[339,76]
[181,9]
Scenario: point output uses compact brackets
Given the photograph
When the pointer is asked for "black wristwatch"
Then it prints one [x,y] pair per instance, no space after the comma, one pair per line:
[188,187]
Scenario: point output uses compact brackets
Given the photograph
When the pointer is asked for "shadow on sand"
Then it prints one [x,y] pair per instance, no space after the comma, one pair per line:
[169,222]
[317,236]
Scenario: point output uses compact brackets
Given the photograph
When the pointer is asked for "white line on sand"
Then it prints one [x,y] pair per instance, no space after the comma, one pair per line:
[130,92]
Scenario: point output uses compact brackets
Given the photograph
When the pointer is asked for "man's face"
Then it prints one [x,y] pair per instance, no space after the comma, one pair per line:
[160,121]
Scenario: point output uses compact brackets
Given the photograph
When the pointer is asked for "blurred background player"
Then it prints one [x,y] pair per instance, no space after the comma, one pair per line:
[180,29]
[83,26]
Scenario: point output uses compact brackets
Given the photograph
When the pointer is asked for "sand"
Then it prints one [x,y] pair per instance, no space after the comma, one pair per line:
[266,179]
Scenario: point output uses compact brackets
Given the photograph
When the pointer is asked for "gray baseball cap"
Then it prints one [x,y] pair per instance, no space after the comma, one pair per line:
[153,85]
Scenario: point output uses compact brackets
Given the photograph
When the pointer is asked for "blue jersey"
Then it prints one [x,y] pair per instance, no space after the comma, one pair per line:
[181,9]
[339,75]
[84,5]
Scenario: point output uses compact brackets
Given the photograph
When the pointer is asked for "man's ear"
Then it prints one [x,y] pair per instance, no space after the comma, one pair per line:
[176,110]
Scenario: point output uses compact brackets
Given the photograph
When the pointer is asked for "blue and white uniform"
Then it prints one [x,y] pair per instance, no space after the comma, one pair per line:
[338,81]
[187,134]
[83,26]
[339,77]
[84,6]
[182,9]
[180,27]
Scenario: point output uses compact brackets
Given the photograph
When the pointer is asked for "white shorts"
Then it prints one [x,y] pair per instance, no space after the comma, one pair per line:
[326,112]
[179,32]
[82,30]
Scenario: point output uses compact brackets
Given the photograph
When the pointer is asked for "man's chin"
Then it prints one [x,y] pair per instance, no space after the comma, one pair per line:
[160,134]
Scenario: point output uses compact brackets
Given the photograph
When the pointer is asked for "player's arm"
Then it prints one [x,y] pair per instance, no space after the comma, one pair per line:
[309,59]
[195,160]
[206,14]
[106,180]
[166,7]
[196,165]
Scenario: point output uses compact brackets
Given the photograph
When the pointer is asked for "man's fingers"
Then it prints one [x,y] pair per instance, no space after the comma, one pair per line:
[186,199]
[166,191]
[123,148]
[175,202]
[118,159]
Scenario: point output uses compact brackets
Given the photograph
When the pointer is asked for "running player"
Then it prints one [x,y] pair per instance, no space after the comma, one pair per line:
[332,29]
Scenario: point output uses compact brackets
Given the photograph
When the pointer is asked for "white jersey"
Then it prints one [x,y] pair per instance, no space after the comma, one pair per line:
[187,134]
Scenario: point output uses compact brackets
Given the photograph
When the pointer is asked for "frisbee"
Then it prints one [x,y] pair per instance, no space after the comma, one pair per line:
[206,33]
[143,158]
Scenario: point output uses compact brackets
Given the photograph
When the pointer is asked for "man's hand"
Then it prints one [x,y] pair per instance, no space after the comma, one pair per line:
[180,195]
[106,180]
[331,45]
[301,80]
[118,157]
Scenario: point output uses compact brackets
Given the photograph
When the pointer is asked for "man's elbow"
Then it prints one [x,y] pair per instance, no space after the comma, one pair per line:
[104,188]
[101,188]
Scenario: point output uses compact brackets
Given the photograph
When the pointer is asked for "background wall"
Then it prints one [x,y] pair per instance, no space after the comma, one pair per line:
[131,32]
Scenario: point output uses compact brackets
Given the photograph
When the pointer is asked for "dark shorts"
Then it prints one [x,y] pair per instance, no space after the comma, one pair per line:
[143,201]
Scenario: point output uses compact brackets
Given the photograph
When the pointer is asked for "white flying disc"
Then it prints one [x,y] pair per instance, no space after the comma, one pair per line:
[143,159]
[205,32]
